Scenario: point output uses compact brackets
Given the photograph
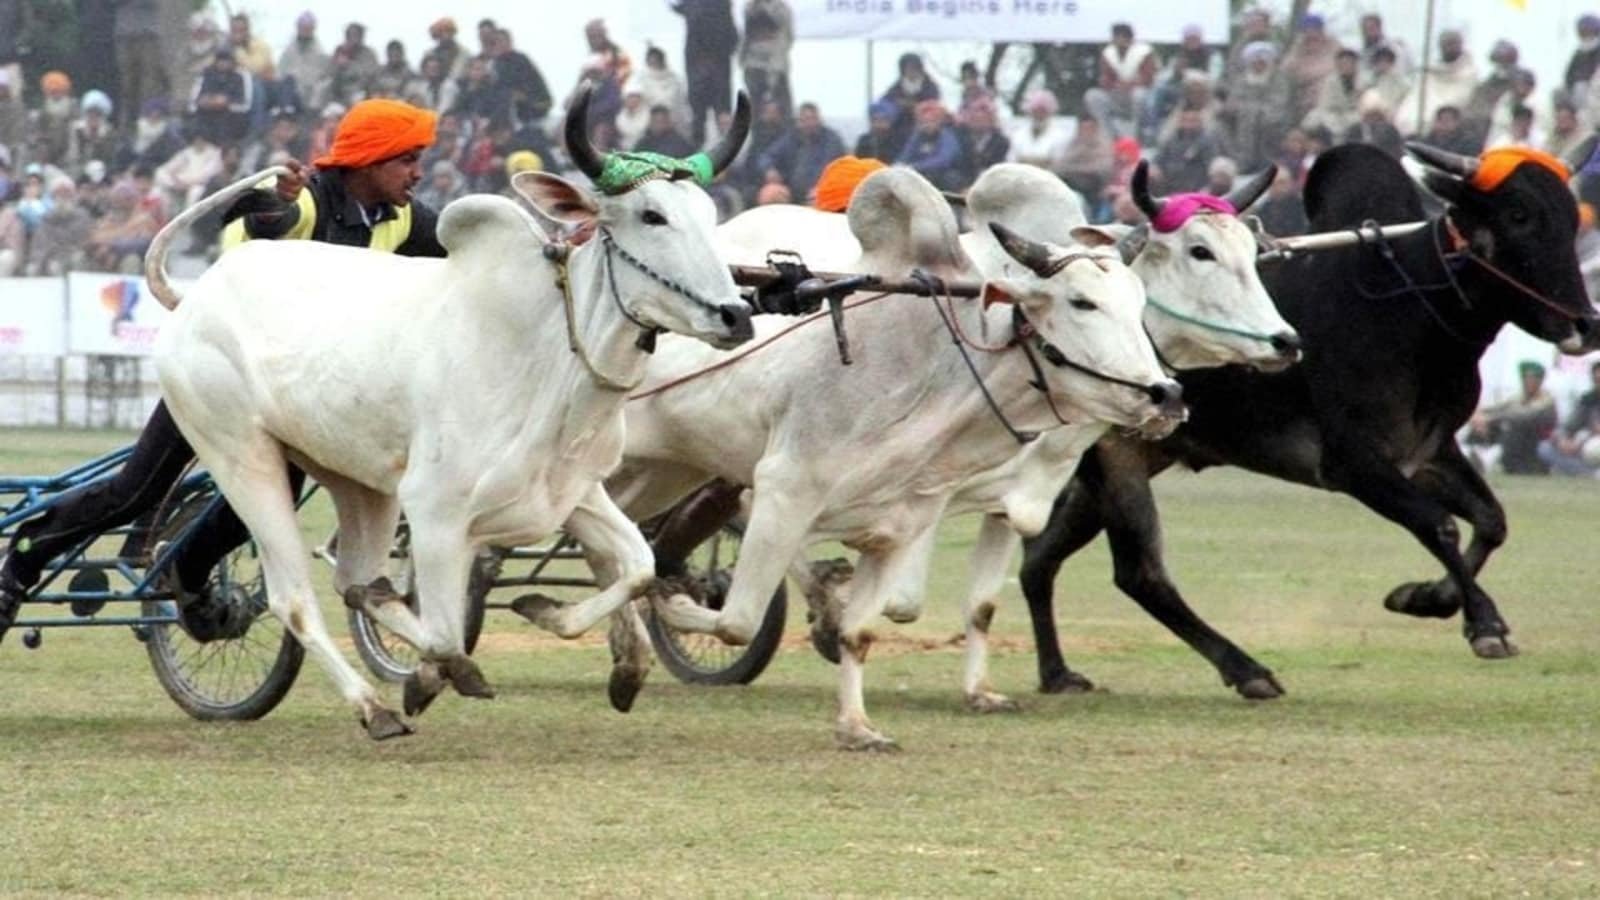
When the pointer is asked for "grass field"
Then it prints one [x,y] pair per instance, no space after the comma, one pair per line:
[1398,765]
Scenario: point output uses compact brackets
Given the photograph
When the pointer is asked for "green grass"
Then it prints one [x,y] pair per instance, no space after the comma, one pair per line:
[1398,765]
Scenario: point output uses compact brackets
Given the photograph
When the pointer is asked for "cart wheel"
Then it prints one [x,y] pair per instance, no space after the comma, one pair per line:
[251,660]
[386,654]
[703,658]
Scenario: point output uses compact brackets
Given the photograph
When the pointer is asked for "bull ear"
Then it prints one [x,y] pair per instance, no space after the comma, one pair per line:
[1094,237]
[556,198]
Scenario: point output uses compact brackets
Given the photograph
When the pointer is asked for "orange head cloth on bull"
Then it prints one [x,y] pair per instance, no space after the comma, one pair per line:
[1496,165]
[839,181]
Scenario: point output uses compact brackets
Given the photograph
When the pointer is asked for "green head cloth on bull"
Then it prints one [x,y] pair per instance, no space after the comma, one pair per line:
[623,171]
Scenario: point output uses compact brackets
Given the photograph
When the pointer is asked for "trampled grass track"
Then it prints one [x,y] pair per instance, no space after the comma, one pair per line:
[1397,766]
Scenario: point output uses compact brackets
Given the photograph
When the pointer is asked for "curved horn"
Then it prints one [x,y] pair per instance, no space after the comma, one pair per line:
[1032,254]
[1140,185]
[1244,195]
[1463,167]
[726,149]
[577,134]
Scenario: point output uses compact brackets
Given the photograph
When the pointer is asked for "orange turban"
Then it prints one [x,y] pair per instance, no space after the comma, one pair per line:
[1496,165]
[377,130]
[55,83]
[838,182]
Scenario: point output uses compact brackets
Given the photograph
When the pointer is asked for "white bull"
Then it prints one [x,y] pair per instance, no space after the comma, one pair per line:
[481,394]
[1206,307]
[872,453]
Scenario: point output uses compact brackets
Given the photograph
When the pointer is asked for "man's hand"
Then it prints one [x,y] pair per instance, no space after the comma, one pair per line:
[290,185]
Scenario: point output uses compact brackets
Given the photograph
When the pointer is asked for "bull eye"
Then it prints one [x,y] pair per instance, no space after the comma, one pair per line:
[1085,305]
[1519,216]
[651,217]
[1202,253]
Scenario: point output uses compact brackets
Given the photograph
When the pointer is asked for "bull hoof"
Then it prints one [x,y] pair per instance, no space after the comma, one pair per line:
[865,740]
[825,639]
[1262,687]
[624,686]
[538,609]
[991,702]
[1494,647]
[465,676]
[384,724]
[1421,599]
[421,687]
[1066,682]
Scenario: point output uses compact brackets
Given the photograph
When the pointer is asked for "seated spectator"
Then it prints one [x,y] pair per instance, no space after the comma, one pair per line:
[13,114]
[478,97]
[1127,71]
[284,136]
[13,241]
[877,142]
[1520,95]
[521,80]
[1522,133]
[198,52]
[1194,93]
[769,127]
[1575,449]
[320,138]
[183,178]
[352,67]
[662,135]
[1451,77]
[1256,26]
[1041,140]
[982,144]
[434,89]
[531,136]
[799,157]
[634,117]
[56,246]
[155,137]
[659,86]
[94,189]
[1086,162]
[250,52]
[973,90]
[93,136]
[1489,93]
[1337,99]
[1221,176]
[933,148]
[910,89]
[1283,210]
[1507,434]
[1193,57]
[1306,64]
[222,101]
[304,62]
[1565,131]
[1386,78]
[1183,159]
[1449,132]
[393,79]
[1254,116]
[773,192]
[117,241]
[484,162]
[444,184]
[1125,156]
[1375,127]
[32,201]
[52,122]
[451,56]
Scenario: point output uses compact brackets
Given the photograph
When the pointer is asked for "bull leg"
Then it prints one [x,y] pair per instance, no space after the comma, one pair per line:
[628,639]
[367,522]
[1451,480]
[825,583]
[1382,488]
[1074,522]
[991,559]
[614,543]
[878,575]
[904,602]
[442,555]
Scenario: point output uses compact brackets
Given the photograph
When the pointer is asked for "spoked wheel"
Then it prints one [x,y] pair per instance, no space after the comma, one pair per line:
[703,658]
[386,654]
[229,657]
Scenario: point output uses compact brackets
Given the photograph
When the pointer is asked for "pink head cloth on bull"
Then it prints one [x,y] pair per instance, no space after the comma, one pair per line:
[1177,209]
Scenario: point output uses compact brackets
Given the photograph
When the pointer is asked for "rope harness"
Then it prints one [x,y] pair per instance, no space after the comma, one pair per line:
[1219,328]
[557,254]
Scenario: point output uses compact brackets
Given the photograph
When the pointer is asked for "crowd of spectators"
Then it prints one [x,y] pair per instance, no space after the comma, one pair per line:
[87,174]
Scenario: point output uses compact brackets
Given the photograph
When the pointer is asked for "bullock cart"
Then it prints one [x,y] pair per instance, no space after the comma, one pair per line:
[225,657]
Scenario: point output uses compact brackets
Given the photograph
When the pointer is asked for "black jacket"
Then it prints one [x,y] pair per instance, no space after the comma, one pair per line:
[339,217]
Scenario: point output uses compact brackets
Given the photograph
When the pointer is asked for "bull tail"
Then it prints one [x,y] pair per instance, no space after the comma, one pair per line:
[155,259]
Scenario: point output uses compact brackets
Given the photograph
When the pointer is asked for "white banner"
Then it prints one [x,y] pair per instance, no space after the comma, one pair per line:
[32,317]
[112,315]
[1007,20]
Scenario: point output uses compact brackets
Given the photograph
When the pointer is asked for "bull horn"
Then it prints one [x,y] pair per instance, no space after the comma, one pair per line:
[723,153]
[577,134]
[1244,195]
[1032,254]
[958,199]
[1140,186]
[1463,167]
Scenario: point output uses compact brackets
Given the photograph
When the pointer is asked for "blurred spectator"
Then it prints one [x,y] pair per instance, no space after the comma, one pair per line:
[605,98]
[1124,211]
[250,52]
[8,182]
[1309,60]
[662,135]
[1253,116]
[1255,27]
[1520,95]
[451,56]
[1491,91]
[634,117]
[13,241]
[1336,109]
[1385,78]
[13,115]
[155,137]
[52,122]
[141,64]
[435,89]
[1191,55]
[1194,93]
[1565,134]
[93,189]
[1373,39]
[477,96]
[183,178]
[516,75]
[1584,62]
[1375,128]
[352,67]
[982,144]
[13,44]
[973,90]
[618,65]
[33,203]
[911,88]
[1522,132]
[877,142]
[221,105]
[1125,156]
[1575,449]
[447,143]
[1127,70]
[520,161]
[1041,140]
[444,184]
[117,242]
[1184,158]
[1507,434]
[1449,132]
[1283,210]
[57,243]
[393,79]
[767,129]
[284,136]
[1451,79]
[92,135]
[773,192]
[1220,176]
[305,61]
[800,155]
[660,86]
[1086,161]
[1588,245]
[205,39]
[483,164]
[710,39]
[764,55]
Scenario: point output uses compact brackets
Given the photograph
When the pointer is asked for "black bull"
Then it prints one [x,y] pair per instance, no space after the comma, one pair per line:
[1393,333]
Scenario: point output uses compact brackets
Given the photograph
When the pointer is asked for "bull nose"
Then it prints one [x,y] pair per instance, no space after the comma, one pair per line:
[1287,343]
[737,319]
[1168,398]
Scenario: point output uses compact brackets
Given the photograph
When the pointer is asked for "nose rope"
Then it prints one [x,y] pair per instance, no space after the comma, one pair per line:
[644,268]
[1209,326]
